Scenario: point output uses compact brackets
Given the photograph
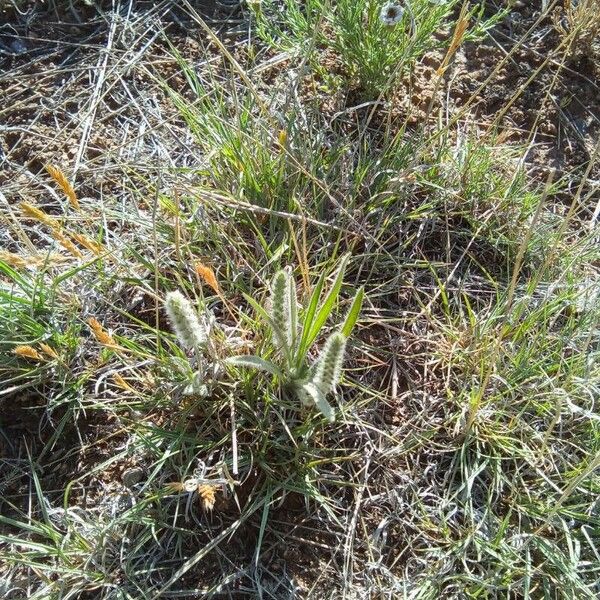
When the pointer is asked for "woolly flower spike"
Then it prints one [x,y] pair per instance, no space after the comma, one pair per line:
[281,310]
[391,14]
[185,321]
[329,367]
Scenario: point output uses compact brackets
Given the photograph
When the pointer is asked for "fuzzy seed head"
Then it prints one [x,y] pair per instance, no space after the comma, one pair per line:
[27,352]
[206,493]
[328,371]
[100,333]
[39,215]
[48,350]
[64,184]
[280,309]
[184,319]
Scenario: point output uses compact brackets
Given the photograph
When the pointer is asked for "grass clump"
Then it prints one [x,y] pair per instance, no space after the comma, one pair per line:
[374,43]
[293,339]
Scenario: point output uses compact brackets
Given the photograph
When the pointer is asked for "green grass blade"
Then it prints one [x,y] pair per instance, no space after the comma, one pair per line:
[328,303]
[254,362]
[308,319]
[353,313]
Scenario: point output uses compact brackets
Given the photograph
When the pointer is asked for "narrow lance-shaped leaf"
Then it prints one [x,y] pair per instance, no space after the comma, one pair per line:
[312,392]
[353,313]
[254,362]
[308,320]
[328,303]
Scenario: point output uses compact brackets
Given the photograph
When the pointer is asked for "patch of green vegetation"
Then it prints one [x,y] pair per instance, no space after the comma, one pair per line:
[464,457]
[370,48]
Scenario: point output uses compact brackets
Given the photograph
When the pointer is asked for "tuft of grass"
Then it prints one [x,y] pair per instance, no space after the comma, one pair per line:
[581,21]
[371,53]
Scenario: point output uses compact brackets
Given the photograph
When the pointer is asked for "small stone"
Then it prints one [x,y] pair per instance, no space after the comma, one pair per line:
[18,46]
[132,476]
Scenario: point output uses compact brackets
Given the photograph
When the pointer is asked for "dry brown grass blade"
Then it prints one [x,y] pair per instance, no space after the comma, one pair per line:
[457,39]
[64,184]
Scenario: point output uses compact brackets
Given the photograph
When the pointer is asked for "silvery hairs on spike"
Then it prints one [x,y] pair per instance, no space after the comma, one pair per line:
[329,367]
[184,319]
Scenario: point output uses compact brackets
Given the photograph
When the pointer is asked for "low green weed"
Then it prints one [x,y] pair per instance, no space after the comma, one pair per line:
[292,337]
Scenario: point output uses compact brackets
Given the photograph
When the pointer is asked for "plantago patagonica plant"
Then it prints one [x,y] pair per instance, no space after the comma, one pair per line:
[294,332]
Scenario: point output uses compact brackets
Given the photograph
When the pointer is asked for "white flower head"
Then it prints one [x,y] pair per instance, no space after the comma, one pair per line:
[391,14]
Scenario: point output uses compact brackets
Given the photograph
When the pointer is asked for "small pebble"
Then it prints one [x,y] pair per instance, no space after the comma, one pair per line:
[132,476]
[18,46]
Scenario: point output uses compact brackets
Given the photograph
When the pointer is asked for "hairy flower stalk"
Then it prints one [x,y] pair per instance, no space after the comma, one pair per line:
[309,393]
[281,310]
[329,367]
[184,319]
